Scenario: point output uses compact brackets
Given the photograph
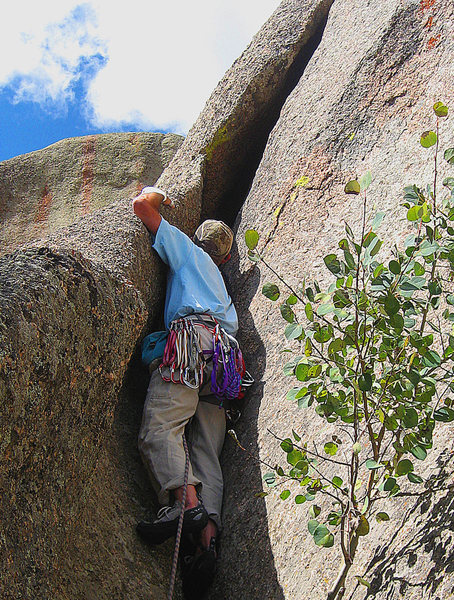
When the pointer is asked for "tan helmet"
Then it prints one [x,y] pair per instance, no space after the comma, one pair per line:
[215,237]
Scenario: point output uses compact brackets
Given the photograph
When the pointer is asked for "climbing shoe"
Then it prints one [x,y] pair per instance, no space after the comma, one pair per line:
[166,523]
[198,571]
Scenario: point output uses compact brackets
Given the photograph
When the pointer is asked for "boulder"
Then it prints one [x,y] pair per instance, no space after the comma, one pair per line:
[360,105]
[50,188]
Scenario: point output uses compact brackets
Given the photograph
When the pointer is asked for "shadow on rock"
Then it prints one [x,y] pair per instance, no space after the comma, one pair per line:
[246,566]
[423,562]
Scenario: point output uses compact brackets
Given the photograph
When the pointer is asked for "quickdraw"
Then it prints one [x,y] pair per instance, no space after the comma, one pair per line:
[183,355]
[228,366]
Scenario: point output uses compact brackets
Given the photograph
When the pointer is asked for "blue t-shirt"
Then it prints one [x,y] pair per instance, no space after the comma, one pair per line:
[194,284]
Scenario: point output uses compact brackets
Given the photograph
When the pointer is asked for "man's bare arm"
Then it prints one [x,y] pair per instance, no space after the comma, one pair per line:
[146,207]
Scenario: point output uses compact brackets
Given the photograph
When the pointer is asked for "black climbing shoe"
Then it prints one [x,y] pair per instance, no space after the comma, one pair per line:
[198,571]
[166,523]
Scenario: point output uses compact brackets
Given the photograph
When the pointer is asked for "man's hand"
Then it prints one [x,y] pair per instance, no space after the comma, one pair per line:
[146,207]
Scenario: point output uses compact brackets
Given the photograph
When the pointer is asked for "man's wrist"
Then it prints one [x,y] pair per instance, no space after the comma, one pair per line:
[155,190]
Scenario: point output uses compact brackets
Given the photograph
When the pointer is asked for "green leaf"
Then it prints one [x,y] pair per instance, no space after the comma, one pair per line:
[289,368]
[365,181]
[373,464]
[365,382]
[382,516]
[296,436]
[299,499]
[325,309]
[269,479]
[331,448]
[324,334]
[448,182]
[404,467]
[449,155]
[414,478]
[352,187]
[284,495]
[293,331]
[377,220]
[363,527]
[414,213]
[410,418]
[392,305]
[419,269]
[394,267]
[428,139]
[287,445]
[322,537]
[426,249]
[291,394]
[314,511]
[309,312]
[253,257]
[251,238]
[294,457]
[389,484]
[332,263]
[301,371]
[337,481]
[356,448]
[418,452]
[271,291]
[334,518]
[362,581]
[444,414]
[440,109]
[287,313]
[312,525]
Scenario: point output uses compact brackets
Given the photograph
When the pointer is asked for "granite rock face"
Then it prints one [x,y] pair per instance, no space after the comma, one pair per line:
[50,188]
[326,90]
[221,151]
[74,307]
[361,104]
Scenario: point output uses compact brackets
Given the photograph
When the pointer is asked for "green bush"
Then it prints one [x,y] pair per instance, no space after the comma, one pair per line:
[375,358]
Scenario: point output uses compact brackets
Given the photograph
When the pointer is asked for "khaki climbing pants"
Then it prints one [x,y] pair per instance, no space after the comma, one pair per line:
[170,410]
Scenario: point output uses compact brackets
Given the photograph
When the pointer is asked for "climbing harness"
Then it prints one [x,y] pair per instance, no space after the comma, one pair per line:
[184,359]
[173,572]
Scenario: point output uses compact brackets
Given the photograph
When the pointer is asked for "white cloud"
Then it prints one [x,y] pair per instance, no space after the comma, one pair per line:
[45,57]
[146,62]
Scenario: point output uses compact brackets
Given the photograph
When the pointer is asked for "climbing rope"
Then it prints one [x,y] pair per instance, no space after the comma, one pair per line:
[176,552]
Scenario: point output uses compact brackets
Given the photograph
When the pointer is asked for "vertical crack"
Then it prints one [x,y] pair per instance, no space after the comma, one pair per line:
[254,136]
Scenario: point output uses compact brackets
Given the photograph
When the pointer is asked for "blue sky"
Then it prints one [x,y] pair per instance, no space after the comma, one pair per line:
[74,68]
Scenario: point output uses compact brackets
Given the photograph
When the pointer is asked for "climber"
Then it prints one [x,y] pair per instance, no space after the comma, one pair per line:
[198,314]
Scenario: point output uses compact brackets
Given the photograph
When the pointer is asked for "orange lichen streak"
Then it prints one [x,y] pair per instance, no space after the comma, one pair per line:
[87,174]
[42,213]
